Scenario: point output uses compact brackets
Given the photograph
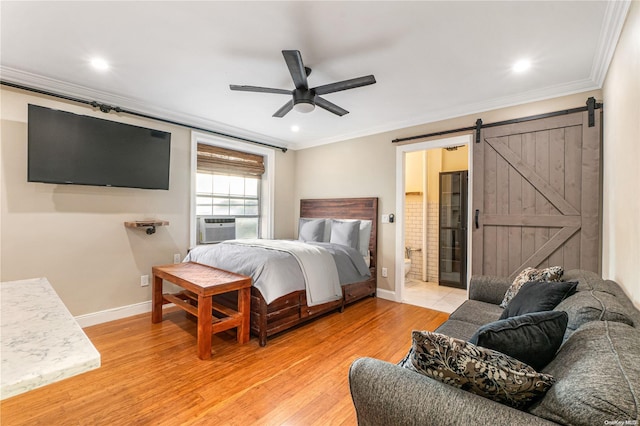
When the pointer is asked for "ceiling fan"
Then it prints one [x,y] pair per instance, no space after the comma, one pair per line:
[306,99]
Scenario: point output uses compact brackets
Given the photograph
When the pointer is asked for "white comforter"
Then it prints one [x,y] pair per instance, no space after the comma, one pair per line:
[317,265]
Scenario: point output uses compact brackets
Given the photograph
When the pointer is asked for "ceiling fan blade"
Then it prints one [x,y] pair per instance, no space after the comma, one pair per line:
[329,106]
[344,85]
[259,89]
[284,109]
[293,58]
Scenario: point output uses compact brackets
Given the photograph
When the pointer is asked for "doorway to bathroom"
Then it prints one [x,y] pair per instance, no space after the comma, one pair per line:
[434,203]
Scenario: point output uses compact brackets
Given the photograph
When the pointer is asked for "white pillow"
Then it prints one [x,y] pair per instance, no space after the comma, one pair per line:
[345,233]
[364,237]
[311,230]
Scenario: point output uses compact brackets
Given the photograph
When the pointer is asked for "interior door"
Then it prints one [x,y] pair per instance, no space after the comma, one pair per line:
[537,196]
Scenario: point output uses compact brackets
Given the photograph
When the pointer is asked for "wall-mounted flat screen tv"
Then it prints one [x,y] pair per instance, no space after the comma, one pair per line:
[67,148]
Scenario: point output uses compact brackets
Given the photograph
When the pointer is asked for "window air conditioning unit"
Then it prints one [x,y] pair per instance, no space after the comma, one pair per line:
[213,229]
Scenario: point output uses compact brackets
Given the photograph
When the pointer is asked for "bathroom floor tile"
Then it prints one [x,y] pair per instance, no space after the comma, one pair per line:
[433,296]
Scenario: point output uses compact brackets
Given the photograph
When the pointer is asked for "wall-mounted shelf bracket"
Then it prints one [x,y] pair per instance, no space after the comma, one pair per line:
[149,224]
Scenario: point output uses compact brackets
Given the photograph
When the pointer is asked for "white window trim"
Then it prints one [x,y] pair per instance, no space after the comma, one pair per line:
[267,189]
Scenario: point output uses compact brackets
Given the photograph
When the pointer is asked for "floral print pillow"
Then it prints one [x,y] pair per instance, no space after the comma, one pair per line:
[553,273]
[478,370]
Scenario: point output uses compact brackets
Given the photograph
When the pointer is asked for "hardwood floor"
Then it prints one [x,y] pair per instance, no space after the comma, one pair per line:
[151,374]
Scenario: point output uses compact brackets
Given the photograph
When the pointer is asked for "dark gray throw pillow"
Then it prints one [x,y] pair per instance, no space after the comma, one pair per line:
[531,338]
[538,296]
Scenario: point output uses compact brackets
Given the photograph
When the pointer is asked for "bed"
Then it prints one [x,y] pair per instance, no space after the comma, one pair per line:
[284,301]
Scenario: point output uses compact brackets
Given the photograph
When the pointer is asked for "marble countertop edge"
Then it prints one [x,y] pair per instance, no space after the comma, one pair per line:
[41,342]
[29,383]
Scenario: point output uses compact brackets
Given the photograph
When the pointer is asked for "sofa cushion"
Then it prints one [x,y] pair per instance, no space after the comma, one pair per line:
[587,280]
[598,377]
[488,288]
[553,273]
[531,338]
[481,371]
[460,329]
[538,296]
[476,312]
[585,306]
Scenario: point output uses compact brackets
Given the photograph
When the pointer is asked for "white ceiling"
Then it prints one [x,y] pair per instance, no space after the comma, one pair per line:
[432,60]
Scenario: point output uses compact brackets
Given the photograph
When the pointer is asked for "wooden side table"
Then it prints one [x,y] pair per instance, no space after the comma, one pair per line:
[201,283]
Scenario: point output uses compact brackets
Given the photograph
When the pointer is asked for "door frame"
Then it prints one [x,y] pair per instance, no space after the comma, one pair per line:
[401,150]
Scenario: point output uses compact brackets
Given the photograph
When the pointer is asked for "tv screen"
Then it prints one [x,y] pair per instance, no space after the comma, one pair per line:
[67,148]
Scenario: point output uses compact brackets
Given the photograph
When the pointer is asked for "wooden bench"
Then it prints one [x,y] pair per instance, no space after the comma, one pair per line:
[200,284]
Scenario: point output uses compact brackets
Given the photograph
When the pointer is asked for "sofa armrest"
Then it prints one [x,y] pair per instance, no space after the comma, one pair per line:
[487,288]
[385,394]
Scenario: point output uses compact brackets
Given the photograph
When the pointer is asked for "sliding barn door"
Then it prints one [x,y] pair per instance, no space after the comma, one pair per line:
[537,196]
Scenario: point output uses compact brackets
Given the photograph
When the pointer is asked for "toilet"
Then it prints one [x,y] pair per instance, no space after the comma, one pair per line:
[407,266]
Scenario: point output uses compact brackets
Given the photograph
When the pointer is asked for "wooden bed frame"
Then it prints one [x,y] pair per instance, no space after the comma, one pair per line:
[291,309]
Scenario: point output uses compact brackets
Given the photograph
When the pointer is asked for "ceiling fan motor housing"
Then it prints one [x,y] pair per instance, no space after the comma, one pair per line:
[303,100]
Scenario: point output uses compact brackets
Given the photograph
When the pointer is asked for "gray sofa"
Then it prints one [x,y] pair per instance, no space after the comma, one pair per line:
[597,368]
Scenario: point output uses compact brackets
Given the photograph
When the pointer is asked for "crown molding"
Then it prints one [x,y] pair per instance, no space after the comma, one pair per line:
[73,90]
[64,88]
[615,15]
[550,92]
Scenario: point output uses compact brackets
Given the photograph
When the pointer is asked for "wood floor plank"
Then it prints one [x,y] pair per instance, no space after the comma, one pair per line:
[151,375]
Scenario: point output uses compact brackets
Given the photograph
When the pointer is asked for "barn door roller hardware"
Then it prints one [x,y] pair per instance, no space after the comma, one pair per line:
[591,106]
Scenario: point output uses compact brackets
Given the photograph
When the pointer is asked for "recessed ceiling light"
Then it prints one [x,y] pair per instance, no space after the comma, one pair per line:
[522,65]
[99,64]
[295,128]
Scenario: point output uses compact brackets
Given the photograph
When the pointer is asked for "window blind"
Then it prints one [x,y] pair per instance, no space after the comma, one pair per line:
[213,159]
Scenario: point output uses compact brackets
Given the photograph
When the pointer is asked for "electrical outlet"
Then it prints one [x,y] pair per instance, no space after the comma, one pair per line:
[384,273]
[144,280]
[176,258]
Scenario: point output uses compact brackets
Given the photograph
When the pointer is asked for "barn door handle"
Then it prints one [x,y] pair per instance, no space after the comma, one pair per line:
[476,218]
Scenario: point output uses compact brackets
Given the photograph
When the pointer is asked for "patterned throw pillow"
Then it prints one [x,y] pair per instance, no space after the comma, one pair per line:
[478,370]
[553,273]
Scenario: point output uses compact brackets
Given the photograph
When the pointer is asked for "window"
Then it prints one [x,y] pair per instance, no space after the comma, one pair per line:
[231,183]
[228,195]
[264,163]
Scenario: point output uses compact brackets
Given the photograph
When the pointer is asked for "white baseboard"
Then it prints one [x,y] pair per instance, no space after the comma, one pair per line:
[386,294]
[113,314]
[95,318]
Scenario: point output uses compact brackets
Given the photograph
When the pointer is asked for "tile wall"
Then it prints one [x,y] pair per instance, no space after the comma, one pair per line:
[413,232]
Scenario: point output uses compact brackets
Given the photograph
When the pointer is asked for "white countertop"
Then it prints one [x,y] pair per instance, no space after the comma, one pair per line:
[40,341]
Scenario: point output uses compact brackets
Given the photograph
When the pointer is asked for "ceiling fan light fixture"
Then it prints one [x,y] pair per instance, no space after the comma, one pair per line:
[304,106]
[305,99]
[522,65]
[99,64]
